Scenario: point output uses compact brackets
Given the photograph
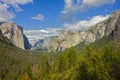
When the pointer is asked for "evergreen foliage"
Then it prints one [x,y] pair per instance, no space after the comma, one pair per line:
[93,64]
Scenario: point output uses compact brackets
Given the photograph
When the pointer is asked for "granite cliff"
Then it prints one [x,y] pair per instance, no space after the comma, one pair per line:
[15,34]
[68,38]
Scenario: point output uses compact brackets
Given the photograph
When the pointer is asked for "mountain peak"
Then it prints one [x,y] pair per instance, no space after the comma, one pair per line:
[115,14]
[14,33]
[105,28]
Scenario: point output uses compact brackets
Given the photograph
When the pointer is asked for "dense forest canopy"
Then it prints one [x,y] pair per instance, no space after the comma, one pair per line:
[75,63]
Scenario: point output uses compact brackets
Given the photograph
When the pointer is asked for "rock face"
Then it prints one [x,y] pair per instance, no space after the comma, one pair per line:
[67,39]
[26,43]
[15,34]
[1,36]
[42,44]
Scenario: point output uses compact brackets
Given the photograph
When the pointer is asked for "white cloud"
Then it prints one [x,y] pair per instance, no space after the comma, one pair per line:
[75,6]
[5,15]
[5,7]
[68,6]
[35,35]
[69,11]
[39,17]
[96,3]
[16,3]
[84,24]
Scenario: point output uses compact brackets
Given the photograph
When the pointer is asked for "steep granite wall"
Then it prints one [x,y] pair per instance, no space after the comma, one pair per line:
[15,34]
[68,38]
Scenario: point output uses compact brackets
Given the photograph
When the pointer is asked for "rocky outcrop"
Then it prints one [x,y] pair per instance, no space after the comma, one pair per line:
[1,36]
[42,44]
[68,38]
[26,43]
[15,34]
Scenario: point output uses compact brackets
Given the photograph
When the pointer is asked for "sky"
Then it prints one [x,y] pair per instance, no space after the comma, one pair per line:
[44,18]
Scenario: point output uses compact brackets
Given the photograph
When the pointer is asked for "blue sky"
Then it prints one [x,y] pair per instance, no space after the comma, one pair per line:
[51,10]
[46,17]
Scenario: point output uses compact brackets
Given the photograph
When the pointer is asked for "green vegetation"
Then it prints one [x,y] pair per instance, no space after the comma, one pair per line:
[93,62]
[15,64]
[92,65]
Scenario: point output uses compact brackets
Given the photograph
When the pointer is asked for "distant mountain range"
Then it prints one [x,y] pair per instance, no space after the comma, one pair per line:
[98,60]
[68,38]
